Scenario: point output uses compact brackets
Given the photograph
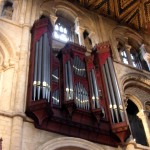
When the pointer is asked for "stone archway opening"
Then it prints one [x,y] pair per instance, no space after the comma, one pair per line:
[136,124]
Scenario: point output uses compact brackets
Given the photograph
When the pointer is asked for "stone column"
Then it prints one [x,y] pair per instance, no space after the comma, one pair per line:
[23,62]
[22,74]
[143,117]
[1,6]
[127,50]
[15,8]
[145,54]
[79,30]
[16,133]
[146,57]
[53,20]
[23,11]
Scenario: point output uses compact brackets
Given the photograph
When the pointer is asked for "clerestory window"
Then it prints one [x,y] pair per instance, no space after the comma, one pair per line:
[124,57]
[61,33]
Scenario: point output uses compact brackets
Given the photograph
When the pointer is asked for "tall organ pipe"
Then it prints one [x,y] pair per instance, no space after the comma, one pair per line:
[116,88]
[35,70]
[108,93]
[92,91]
[67,85]
[47,69]
[111,91]
[95,89]
[39,68]
[44,66]
[70,80]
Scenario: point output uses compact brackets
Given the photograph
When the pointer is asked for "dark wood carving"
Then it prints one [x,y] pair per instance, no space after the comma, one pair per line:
[72,109]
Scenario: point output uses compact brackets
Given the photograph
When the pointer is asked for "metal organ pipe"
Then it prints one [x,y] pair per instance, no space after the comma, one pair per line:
[81,96]
[95,89]
[41,84]
[48,68]
[116,88]
[44,66]
[92,91]
[39,68]
[70,80]
[67,84]
[79,66]
[108,93]
[35,71]
[111,91]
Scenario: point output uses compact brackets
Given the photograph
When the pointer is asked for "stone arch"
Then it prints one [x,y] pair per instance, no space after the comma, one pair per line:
[7,50]
[123,33]
[69,142]
[68,8]
[135,100]
[136,87]
[132,78]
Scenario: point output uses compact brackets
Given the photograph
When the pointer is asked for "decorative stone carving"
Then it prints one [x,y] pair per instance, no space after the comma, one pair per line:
[136,77]
[8,11]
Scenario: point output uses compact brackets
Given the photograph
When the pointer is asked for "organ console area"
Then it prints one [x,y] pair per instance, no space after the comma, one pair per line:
[74,94]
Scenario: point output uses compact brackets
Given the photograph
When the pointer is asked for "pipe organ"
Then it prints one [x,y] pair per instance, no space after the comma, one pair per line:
[74,94]
[41,81]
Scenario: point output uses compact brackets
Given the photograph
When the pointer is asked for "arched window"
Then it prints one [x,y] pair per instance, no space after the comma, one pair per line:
[131,56]
[7,10]
[61,32]
[136,123]
[135,59]
[124,57]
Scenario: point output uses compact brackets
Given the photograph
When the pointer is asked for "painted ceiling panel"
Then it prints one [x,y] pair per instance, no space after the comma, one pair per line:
[134,13]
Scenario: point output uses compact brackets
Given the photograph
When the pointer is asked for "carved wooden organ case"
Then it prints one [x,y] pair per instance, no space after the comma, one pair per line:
[74,94]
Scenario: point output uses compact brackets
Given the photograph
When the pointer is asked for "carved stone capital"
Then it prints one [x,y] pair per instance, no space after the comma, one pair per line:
[147,57]
[127,47]
[53,19]
[79,30]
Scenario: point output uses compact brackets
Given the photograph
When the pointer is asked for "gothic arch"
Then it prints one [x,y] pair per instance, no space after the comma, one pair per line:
[69,142]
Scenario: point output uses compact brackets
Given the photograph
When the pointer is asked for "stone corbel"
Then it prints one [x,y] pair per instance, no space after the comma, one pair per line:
[92,36]
[6,64]
[53,20]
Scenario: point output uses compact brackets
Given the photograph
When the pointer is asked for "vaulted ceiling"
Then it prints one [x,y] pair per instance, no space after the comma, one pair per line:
[133,13]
